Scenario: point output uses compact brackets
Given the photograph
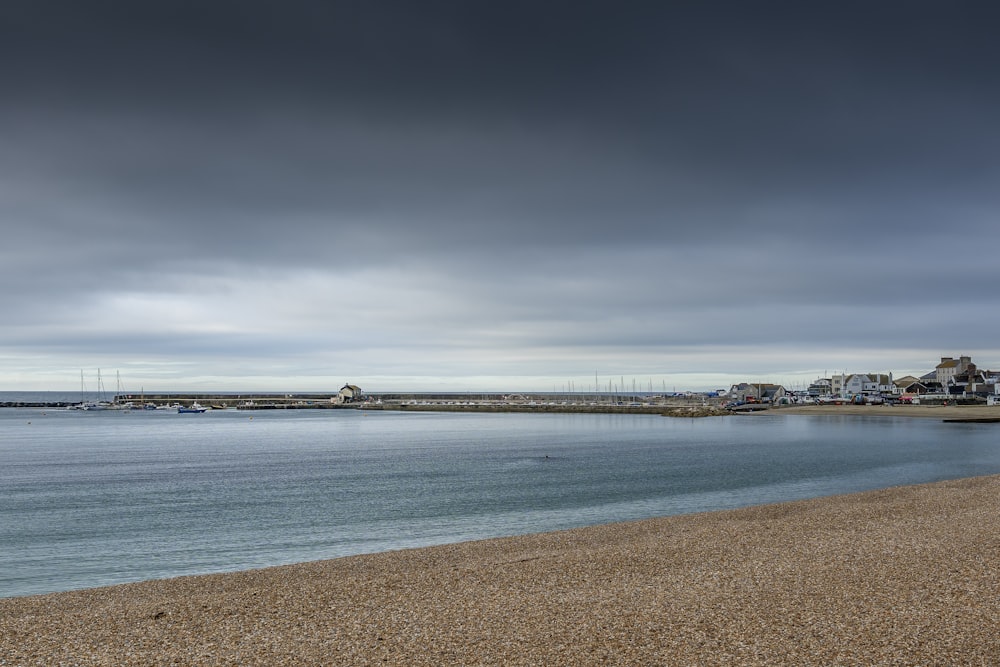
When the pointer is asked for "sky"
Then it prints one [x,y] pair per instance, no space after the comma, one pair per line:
[495,196]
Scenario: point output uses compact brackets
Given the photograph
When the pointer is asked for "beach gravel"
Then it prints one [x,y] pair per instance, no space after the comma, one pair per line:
[902,576]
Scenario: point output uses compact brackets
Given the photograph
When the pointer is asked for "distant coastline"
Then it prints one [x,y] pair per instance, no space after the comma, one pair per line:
[674,406]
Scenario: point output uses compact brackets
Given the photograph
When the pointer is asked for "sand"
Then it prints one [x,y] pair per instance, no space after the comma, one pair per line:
[903,576]
[920,411]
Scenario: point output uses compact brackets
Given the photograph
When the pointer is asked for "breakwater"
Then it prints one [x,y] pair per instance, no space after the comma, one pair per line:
[412,402]
[213,400]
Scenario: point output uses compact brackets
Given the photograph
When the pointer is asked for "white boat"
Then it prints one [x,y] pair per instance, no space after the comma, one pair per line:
[91,405]
[194,407]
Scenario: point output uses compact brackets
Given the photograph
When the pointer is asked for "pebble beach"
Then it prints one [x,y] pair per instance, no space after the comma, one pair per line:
[916,411]
[901,576]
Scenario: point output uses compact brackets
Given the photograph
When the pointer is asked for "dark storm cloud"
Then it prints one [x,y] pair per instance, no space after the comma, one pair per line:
[532,175]
[469,115]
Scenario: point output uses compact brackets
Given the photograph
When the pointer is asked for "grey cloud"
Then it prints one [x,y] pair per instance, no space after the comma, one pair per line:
[474,181]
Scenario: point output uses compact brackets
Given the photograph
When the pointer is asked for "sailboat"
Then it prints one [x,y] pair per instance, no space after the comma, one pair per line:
[86,404]
[115,404]
[145,405]
[91,404]
[83,396]
[100,403]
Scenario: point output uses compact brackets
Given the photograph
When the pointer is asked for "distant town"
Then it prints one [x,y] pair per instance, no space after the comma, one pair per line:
[955,380]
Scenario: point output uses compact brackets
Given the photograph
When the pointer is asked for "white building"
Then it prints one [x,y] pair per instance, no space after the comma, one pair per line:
[862,383]
[949,368]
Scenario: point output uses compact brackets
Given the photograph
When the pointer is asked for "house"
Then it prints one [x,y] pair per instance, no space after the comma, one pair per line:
[349,393]
[949,368]
[867,384]
[854,384]
[973,381]
[993,380]
[821,387]
[929,380]
[909,385]
[882,383]
[746,392]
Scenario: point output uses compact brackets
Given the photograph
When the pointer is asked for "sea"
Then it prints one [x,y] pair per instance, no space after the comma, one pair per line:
[96,498]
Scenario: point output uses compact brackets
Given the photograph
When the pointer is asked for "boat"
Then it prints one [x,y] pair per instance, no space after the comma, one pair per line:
[100,403]
[194,407]
[146,405]
[84,403]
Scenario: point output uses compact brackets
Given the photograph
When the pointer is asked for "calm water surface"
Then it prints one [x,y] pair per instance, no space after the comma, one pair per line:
[89,499]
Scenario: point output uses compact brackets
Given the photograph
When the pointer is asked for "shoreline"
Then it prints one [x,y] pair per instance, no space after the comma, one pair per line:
[905,575]
[917,411]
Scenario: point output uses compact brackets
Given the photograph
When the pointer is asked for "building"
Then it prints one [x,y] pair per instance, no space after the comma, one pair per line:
[349,393]
[974,382]
[866,384]
[993,380]
[821,387]
[949,368]
[746,392]
[909,385]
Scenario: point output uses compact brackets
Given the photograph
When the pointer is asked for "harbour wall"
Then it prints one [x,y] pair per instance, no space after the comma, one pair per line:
[413,402]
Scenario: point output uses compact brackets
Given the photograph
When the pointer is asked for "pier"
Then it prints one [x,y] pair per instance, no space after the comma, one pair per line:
[410,402]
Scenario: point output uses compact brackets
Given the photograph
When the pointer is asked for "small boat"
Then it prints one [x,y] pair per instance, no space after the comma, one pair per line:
[194,407]
[146,405]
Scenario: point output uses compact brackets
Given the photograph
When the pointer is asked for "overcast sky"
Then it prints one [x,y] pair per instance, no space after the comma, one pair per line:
[495,195]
